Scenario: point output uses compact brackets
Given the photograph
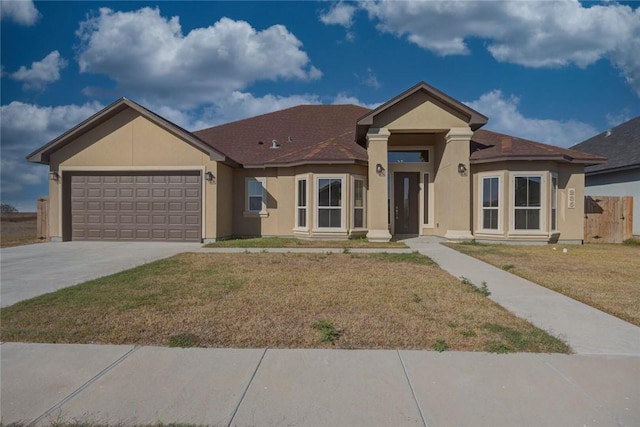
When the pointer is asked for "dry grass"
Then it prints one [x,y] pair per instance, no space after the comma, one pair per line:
[273,300]
[604,276]
[288,242]
[18,229]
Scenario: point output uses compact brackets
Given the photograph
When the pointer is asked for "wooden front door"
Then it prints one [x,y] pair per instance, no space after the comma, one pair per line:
[405,199]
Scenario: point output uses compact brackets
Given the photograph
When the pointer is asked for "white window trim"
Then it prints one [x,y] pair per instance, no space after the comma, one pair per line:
[429,186]
[552,202]
[299,178]
[543,203]
[352,205]
[263,212]
[343,203]
[480,224]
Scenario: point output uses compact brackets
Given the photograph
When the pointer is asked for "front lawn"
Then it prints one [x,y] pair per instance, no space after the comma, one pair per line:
[606,277]
[288,242]
[278,300]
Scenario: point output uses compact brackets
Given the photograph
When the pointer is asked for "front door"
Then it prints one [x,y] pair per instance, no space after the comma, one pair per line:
[405,199]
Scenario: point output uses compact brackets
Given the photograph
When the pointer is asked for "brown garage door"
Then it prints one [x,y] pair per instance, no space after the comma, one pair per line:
[136,206]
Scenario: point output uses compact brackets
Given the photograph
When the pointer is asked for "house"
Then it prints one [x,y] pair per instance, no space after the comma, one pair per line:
[417,165]
[620,175]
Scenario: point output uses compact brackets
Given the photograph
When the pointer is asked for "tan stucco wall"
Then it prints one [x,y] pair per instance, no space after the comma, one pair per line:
[224,207]
[129,141]
[419,112]
[280,188]
[570,220]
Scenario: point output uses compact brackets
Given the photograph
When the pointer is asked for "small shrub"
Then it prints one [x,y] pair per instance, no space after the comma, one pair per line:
[632,242]
[439,345]
[452,325]
[416,298]
[183,340]
[482,289]
[498,347]
[328,331]
[346,251]
[508,267]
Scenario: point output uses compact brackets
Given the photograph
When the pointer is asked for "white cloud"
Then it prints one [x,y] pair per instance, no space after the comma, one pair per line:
[147,54]
[22,12]
[24,128]
[532,34]
[41,72]
[338,14]
[344,99]
[370,79]
[505,117]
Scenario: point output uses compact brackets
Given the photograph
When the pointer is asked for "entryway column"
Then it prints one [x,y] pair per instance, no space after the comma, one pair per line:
[377,144]
[456,193]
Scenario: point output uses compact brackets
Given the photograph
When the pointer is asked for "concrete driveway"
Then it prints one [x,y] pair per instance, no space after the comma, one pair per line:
[32,270]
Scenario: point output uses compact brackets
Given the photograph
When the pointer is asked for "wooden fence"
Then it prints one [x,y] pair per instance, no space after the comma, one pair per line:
[43,219]
[608,219]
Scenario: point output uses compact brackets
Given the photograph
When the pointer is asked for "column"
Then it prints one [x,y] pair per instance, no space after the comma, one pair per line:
[378,192]
[457,184]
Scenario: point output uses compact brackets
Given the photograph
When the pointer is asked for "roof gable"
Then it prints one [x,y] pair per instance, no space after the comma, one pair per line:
[491,146]
[42,154]
[621,146]
[414,96]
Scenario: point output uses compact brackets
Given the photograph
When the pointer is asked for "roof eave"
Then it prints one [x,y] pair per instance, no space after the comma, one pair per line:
[305,162]
[561,159]
[614,169]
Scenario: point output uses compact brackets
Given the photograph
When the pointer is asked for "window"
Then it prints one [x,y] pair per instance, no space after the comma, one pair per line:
[490,203]
[329,202]
[359,192]
[301,203]
[256,203]
[554,202]
[425,199]
[527,202]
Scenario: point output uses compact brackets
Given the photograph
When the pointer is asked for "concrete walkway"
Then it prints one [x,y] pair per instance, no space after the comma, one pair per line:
[46,383]
[32,270]
[586,329]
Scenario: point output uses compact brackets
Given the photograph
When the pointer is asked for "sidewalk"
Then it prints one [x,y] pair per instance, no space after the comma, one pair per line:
[123,385]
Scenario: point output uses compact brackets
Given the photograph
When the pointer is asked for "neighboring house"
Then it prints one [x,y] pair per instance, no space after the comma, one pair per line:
[620,175]
[416,165]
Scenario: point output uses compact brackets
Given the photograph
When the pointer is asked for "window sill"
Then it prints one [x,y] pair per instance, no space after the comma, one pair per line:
[251,214]
[491,232]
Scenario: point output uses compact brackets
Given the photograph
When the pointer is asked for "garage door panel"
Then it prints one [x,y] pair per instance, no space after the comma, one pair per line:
[106,192]
[159,192]
[136,206]
[106,206]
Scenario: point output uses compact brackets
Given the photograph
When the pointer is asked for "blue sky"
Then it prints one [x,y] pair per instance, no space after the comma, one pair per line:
[552,71]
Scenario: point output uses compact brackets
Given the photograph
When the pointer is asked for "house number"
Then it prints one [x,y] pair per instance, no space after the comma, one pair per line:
[571,201]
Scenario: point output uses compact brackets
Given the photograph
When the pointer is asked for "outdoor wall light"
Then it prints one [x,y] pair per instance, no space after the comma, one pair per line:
[379,169]
[208,176]
[462,169]
[53,176]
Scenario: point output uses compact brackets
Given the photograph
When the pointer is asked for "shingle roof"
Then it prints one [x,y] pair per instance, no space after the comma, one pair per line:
[305,134]
[493,146]
[621,146]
